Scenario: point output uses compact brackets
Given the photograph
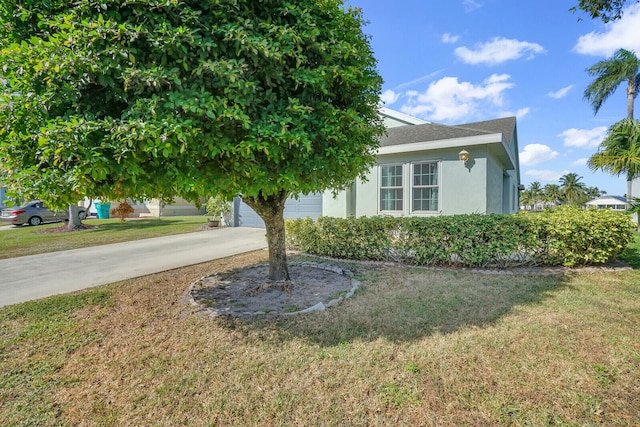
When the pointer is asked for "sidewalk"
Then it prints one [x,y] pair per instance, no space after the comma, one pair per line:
[38,276]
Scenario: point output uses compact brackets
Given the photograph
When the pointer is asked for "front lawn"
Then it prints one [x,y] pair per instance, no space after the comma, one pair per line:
[413,346]
[28,240]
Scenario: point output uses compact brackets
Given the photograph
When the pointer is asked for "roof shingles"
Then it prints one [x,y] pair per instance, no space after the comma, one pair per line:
[435,132]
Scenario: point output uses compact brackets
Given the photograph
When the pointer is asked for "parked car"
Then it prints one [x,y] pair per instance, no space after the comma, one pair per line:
[35,213]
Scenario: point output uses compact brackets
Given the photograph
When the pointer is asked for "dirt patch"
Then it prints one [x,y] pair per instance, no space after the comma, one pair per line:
[246,292]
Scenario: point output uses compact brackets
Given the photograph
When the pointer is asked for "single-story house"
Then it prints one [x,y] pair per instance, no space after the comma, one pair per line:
[153,208]
[615,203]
[424,169]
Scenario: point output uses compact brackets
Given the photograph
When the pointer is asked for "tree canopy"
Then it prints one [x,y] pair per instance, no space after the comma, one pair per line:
[623,66]
[606,10]
[571,190]
[619,152]
[150,98]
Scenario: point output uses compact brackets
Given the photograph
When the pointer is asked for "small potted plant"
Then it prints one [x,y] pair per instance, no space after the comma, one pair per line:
[217,208]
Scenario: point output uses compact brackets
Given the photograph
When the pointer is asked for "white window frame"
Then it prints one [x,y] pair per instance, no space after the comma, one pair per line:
[437,186]
[401,187]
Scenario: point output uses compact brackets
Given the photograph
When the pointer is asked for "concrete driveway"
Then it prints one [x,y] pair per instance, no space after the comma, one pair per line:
[38,276]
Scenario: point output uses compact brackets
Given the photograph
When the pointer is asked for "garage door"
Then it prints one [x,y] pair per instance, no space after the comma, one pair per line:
[304,206]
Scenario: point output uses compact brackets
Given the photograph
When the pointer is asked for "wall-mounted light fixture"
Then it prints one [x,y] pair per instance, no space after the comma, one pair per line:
[464,156]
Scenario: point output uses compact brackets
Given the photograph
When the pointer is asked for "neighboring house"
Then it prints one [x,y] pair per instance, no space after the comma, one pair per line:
[420,171]
[154,209]
[615,203]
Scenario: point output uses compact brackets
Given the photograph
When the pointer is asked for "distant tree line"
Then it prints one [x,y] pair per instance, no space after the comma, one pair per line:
[571,190]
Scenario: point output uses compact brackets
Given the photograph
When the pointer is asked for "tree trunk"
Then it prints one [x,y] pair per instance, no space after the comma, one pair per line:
[271,210]
[631,96]
[74,218]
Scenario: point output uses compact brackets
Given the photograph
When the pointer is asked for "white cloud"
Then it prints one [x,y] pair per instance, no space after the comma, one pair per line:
[389,97]
[419,79]
[618,34]
[497,51]
[545,175]
[471,5]
[520,113]
[449,38]
[580,162]
[536,153]
[560,93]
[583,138]
[449,100]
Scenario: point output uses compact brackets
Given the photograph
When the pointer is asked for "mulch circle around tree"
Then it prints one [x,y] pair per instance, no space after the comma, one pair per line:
[246,292]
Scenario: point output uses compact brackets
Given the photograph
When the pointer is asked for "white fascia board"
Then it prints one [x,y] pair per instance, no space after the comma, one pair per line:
[401,116]
[467,141]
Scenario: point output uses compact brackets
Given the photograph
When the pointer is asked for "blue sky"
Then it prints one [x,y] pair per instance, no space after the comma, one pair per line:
[460,61]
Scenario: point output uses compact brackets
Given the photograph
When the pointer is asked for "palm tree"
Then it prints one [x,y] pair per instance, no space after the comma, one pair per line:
[526,199]
[610,73]
[619,152]
[536,193]
[552,194]
[634,208]
[594,192]
[573,191]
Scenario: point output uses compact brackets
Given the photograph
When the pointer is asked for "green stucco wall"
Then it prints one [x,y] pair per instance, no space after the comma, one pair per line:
[462,190]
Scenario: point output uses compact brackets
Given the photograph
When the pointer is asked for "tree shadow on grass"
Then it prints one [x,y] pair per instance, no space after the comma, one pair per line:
[402,303]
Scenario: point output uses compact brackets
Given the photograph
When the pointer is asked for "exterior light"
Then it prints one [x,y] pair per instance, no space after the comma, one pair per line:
[464,156]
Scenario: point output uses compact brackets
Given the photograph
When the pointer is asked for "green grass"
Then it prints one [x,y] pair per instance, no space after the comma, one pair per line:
[413,346]
[631,255]
[35,240]
[43,334]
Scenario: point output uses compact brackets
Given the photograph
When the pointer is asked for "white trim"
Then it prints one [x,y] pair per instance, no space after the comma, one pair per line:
[407,189]
[494,138]
[404,178]
[438,186]
[397,115]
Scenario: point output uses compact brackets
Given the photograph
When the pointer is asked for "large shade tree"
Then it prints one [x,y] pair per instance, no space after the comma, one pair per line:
[149,98]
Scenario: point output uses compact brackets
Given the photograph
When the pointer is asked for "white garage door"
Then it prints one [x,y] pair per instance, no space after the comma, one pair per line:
[304,206]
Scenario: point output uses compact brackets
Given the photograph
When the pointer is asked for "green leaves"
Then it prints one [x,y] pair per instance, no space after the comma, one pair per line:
[566,235]
[162,98]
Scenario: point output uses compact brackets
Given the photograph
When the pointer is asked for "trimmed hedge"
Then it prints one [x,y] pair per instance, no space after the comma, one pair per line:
[565,235]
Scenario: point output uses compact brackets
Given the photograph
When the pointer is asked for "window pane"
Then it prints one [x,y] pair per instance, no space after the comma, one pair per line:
[391,176]
[391,199]
[425,199]
[391,188]
[425,174]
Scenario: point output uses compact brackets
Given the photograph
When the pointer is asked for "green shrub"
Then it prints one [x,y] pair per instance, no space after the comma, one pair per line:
[575,236]
[565,235]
